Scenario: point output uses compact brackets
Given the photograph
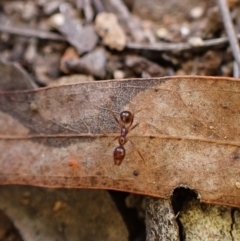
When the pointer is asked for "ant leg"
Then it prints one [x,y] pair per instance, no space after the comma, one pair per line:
[131,128]
[112,141]
[114,116]
[134,126]
[145,108]
[139,110]
[139,153]
[104,133]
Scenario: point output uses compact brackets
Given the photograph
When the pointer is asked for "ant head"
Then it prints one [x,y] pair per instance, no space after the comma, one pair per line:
[126,117]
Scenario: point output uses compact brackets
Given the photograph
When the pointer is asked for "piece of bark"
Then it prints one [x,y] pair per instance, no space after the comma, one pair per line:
[160,220]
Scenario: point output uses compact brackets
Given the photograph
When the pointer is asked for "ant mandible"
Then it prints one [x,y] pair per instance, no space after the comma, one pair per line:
[126,125]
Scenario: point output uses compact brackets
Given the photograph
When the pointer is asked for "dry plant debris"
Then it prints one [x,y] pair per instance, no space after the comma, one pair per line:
[60,136]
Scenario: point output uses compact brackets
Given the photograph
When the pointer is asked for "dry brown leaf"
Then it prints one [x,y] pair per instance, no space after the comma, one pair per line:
[189,135]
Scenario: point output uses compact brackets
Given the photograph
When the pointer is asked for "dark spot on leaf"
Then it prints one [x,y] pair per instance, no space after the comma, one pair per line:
[135,172]
[224,105]
[235,155]
[93,181]
[33,107]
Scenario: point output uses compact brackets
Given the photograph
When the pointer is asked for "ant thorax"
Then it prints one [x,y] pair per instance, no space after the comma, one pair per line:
[124,131]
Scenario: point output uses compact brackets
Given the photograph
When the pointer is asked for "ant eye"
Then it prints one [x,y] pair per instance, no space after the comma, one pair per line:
[126,117]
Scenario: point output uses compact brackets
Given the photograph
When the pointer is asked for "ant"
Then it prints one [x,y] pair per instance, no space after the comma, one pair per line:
[126,125]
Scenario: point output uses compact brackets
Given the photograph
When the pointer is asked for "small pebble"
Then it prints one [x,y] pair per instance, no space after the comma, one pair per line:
[195,41]
[108,28]
[184,30]
[162,33]
[58,205]
[57,20]
[29,11]
[118,74]
[197,12]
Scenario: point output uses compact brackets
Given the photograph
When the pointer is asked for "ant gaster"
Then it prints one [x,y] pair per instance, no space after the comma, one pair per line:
[125,123]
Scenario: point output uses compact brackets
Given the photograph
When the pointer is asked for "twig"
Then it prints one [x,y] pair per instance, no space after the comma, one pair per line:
[160,220]
[98,5]
[31,33]
[230,31]
[86,6]
[166,47]
[235,69]
[171,47]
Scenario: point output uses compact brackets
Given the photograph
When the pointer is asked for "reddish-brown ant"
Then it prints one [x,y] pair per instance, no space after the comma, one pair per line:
[126,125]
